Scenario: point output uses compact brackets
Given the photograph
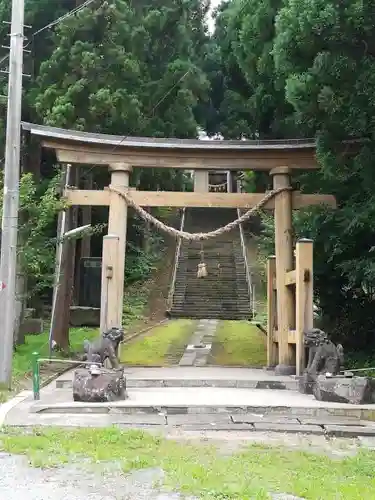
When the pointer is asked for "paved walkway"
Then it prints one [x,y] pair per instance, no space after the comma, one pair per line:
[199,348]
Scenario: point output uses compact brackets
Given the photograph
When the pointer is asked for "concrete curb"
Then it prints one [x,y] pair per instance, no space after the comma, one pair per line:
[6,407]
[133,408]
[329,428]
[133,383]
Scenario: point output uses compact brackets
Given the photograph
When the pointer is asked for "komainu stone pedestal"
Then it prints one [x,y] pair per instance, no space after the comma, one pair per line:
[105,386]
[306,383]
[355,390]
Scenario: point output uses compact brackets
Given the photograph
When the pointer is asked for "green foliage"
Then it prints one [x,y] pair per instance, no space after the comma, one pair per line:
[115,69]
[39,206]
[21,365]
[249,99]
[306,68]
[322,51]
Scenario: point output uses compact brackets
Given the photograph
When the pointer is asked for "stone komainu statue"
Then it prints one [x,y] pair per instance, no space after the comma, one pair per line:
[324,356]
[104,347]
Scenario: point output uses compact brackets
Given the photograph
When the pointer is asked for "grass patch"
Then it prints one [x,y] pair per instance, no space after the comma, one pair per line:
[21,368]
[135,301]
[199,469]
[161,346]
[238,343]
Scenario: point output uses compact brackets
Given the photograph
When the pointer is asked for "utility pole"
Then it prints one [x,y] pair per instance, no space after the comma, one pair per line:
[9,225]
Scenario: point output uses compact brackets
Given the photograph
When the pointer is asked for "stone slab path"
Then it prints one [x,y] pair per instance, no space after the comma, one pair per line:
[199,348]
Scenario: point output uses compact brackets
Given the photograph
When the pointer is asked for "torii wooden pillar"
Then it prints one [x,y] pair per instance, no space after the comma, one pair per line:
[284,263]
[114,250]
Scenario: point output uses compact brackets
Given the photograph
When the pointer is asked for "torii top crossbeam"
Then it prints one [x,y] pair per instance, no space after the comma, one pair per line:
[100,149]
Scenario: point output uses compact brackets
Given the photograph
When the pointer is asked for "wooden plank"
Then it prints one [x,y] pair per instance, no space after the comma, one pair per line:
[291,336]
[109,306]
[117,224]
[304,298]
[301,200]
[181,199]
[257,159]
[272,354]
[284,263]
[82,197]
[290,278]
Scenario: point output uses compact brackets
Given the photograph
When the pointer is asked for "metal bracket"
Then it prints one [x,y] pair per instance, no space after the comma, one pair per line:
[109,274]
[306,276]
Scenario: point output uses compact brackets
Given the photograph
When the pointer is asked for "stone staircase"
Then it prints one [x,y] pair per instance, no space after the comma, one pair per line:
[223,294]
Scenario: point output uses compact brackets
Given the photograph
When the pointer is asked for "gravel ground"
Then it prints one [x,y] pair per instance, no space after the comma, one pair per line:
[19,481]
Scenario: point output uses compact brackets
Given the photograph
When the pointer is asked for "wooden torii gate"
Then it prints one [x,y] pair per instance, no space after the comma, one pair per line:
[121,154]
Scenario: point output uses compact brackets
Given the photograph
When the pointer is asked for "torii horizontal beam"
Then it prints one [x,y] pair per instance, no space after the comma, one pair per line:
[85,148]
[79,197]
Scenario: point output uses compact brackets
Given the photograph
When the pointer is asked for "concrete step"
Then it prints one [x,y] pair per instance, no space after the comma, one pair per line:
[224,313]
[229,293]
[247,409]
[219,308]
[142,383]
[219,311]
[209,315]
[191,305]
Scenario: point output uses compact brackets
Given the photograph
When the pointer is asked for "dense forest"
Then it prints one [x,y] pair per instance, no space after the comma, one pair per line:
[271,69]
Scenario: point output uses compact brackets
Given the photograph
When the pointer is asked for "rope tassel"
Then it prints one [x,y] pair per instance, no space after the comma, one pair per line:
[202,270]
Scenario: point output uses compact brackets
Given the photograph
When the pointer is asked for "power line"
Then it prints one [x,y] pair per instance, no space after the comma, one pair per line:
[76,10]
[65,16]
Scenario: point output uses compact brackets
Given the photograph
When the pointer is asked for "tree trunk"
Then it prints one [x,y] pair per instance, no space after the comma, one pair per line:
[64,272]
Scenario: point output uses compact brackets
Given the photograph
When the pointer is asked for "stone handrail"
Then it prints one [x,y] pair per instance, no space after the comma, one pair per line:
[247,270]
[176,260]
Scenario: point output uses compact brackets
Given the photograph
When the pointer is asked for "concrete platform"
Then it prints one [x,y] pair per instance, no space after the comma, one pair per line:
[196,410]
[202,400]
[200,409]
[180,376]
